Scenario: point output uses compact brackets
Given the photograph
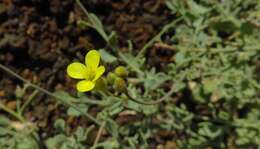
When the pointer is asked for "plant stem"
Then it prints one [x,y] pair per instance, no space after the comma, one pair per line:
[12,112]
[166,96]
[28,101]
[82,8]
[158,36]
[88,101]
[100,131]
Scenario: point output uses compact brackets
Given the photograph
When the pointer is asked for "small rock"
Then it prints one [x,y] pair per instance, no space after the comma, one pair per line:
[160,146]
[171,145]
[11,105]
[2,93]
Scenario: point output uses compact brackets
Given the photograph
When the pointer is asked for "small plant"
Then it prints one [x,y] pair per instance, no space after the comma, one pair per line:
[92,72]
[207,95]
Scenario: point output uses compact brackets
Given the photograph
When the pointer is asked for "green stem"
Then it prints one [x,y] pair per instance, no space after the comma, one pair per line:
[82,8]
[231,49]
[28,101]
[88,101]
[158,36]
[166,96]
[12,112]
[108,92]
[49,94]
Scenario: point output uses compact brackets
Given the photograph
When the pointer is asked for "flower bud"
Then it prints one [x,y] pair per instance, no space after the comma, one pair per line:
[111,77]
[119,84]
[121,72]
[101,84]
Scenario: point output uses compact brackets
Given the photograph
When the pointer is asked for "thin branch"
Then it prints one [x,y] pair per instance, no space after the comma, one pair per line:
[28,101]
[82,8]
[100,131]
[158,36]
[166,96]
[11,112]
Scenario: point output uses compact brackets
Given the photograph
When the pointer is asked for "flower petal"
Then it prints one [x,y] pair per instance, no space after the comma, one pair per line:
[77,70]
[92,59]
[100,70]
[84,86]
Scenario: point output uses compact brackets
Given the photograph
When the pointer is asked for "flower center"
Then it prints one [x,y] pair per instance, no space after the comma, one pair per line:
[90,74]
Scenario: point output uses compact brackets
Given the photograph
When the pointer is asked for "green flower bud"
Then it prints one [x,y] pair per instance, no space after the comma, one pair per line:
[121,72]
[119,85]
[111,77]
[101,84]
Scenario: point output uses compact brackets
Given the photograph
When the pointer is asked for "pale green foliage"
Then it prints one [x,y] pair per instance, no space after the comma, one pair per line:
[11,137]
[76,140]
[213,72]
[216,71]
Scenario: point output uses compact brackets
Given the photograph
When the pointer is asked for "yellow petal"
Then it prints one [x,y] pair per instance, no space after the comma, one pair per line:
[84,86]
[92,59]
[100,70]
[77,70]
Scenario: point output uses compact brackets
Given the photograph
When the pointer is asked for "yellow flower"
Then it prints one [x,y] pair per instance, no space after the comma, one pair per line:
[90,72]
